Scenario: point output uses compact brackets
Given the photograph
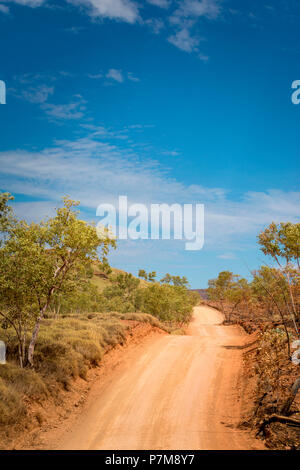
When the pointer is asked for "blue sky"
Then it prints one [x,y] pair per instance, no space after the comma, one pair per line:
[161,100]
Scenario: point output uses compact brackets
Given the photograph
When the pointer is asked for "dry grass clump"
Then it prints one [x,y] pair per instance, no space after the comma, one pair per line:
[15,383]
[24,381]
[67,347]
[145,318]
[11,406]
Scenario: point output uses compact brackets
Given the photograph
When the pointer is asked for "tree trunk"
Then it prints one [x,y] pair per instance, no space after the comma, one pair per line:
[20,343]
[282,419]
[62,269]
[294,314]
[288,403]
[35,335]
[20,355]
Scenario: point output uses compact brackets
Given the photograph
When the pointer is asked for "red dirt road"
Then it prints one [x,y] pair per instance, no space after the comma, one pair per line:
[170,392]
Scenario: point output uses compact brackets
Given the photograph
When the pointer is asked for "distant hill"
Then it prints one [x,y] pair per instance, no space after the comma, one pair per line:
[102,280]
[202,292]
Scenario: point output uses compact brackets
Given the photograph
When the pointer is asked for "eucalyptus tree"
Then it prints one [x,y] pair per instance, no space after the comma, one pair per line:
[282,243]
[39,260]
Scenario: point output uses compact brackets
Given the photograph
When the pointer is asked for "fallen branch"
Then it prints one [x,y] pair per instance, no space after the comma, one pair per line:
[278,418]
[288,403]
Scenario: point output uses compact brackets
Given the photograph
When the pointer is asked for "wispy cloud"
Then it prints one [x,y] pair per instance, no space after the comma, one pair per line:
[204,58]
[4,9]
[27,3]
[119,76]
[38,94]
[70,111]
[171,153]
[185,18]
[116,75]
[99,167]
[74,29]
[184,40]
[132,78]
[227,256]
[121,10]
[210,9]
[29,89]
[160,3]
[181,22]
[156,25]
[95,76]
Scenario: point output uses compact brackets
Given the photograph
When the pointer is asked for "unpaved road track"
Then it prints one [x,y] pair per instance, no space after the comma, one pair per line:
[171,392]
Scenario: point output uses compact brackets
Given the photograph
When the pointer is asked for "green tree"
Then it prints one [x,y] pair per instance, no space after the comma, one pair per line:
[175,280]
[168,303]
[228,289]
[142,273]
[152,276]
[147,276]
[6,216]
[167,279]
[39,260]
[282,243]
[121,295]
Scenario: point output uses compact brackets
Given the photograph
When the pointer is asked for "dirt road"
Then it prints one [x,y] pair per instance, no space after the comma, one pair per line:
[171,392]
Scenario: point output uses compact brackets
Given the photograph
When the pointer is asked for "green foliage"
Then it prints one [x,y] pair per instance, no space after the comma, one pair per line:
[67,348]
[150,277]
[281,241]
[143,274]
[122,294]
[175,280]
[39,260]
[168,303]
[6,217]
[228,288]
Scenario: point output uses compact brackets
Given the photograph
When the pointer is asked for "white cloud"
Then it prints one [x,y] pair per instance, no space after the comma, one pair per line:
[132,78]
[116,75]
[203,57]
[155,24]
[95,76]
[122,10]
[38,94]
[4,9]
[171,153]
[185,18]
[27,3]
[70,111]
[160,3]
[94,170]
[74,29]
[210,9]
[227,256]
[184,41]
